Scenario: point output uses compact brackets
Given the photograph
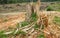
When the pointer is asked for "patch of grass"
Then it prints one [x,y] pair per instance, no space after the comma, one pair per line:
[33,17]
[49,8]
[36,26]
[24,23]
[56,20]
[20,32]
[55,7]
[14,33]
[3,35]
[41,35]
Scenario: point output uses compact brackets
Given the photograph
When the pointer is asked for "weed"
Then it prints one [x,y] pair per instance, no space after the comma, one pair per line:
[41,35]
[24,23]
[56,20]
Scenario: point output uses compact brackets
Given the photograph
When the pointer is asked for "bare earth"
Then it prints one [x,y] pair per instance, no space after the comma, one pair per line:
[11,19]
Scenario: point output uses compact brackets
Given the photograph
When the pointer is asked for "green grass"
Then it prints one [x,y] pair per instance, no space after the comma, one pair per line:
[56,20]
[36,26]
[33,17]
[41,35]
[53,7]
[3,35]
[24,23]
[20,32]
[50,8]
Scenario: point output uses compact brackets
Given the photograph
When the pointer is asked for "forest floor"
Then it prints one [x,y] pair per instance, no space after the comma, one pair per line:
[11,19]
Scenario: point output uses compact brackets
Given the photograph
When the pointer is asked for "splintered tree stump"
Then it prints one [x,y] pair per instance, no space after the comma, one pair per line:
[43,20]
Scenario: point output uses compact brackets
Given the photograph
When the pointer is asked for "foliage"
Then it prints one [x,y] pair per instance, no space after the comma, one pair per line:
[20,32]
[2,35]
[24,23]
[49,0]
[50,8]
[57,20]
[55,6]
[15,1]
[21,1]
[41,35]
[36,26]
[33,16]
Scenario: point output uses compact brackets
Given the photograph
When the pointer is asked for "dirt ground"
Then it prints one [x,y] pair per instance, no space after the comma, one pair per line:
[11,20]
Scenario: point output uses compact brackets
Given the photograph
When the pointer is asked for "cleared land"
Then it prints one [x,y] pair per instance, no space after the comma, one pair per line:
[15,25]
[10,20]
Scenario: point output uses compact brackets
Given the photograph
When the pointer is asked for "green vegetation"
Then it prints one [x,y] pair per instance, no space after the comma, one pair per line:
[20,32]
[36,26]
[49,8]
[49,0]
[13,33]
[15,1]
[21,1]
[56,7]
[41,35]
[53,7]
[2,35]
[57,20]
[33,17]
[17,32]
[24,23]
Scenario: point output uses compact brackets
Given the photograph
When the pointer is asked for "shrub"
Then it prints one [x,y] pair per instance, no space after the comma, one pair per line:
[50,8]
